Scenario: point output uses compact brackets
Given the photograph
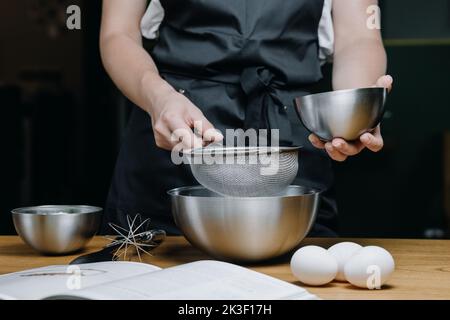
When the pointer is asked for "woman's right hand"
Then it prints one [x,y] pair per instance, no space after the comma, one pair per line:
[174,120]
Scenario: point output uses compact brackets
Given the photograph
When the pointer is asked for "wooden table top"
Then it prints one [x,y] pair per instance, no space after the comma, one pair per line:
[422,266]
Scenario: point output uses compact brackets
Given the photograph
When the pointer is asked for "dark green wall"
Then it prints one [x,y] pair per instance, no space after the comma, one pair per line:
[398,192]
[416,18]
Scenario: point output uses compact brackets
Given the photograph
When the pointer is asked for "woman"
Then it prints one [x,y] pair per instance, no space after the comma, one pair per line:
[229,64]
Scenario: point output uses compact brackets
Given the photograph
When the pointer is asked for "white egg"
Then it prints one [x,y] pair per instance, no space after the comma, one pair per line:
[342,252]
[369,268]
[313,265]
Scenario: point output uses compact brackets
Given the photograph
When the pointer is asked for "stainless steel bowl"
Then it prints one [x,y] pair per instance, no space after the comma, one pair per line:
[57,229]
[343,114]
[244,229]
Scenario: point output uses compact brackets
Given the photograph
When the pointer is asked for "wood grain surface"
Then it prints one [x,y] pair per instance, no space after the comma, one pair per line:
[422,266]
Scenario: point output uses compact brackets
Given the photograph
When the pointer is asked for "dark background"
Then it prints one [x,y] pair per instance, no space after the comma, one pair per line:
[61,120]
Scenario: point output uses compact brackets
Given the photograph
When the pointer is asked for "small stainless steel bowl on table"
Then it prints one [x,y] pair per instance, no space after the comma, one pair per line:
[343,114]
[244,229]
[57,229]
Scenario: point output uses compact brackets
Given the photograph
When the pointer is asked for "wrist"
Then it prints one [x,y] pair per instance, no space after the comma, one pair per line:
[154,89]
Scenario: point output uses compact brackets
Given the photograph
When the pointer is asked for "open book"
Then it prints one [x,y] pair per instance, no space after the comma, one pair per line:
[206,280]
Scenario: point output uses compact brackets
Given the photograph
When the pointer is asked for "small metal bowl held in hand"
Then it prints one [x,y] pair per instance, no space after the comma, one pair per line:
[57,229]
[345,114]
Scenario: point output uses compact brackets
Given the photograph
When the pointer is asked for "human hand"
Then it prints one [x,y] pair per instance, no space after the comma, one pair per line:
[340,150]
[174,117]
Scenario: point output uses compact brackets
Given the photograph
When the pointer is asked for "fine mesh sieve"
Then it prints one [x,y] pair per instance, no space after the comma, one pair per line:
[244,171]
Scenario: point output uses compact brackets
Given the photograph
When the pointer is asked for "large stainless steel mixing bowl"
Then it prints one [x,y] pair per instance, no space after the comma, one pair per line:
[57,229]
[244,229]
[343,114]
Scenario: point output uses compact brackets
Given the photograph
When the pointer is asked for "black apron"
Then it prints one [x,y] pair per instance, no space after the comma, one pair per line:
[242,62]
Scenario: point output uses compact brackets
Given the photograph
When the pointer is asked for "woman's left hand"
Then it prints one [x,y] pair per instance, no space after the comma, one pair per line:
[340,150]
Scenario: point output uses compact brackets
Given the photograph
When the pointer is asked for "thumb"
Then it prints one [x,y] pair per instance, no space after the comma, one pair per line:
[206,130]
[385,82]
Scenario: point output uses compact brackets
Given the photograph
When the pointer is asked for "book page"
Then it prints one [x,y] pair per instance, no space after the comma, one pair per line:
[42,282]
[202,280]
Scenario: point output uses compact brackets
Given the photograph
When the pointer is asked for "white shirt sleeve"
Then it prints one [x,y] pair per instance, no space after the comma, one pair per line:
[152,19]
[155,15]
[326,33]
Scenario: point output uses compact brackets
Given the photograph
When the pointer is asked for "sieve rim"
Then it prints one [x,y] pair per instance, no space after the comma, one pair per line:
[239,150]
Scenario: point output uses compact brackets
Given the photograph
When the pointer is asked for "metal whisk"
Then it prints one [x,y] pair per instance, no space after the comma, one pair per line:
[137,239]
[137,236]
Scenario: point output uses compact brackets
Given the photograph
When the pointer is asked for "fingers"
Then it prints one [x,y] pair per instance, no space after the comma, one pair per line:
[175,130]
[373,141]
[180,122]
[205,129]
[334,153]
[346,148]
[339,149]
[385,82]
[182,133]
[316,142]
[162,135]
[172,130]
